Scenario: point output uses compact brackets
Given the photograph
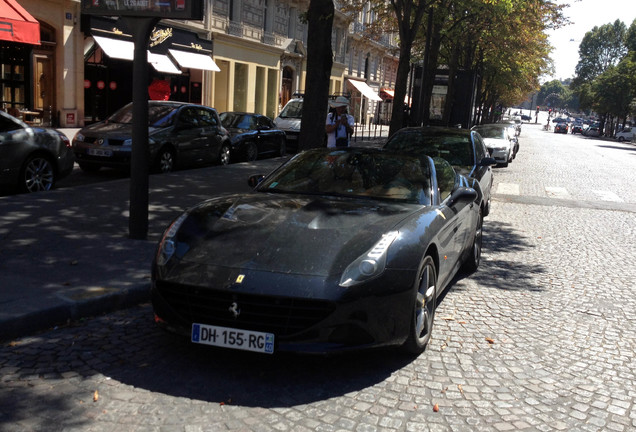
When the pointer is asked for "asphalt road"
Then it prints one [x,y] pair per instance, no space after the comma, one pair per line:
[541,338]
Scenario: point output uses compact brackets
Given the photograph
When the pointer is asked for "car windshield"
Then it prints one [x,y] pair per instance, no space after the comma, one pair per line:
[492,132]
[455,148]
[158,115]
[236,120]
[293,109]
[354,173]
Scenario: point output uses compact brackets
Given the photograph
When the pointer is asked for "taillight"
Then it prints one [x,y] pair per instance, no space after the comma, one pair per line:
[64,138]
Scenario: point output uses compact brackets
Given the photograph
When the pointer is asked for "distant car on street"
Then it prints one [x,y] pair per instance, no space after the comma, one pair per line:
[180,135]
[577,128]
[592,131]
[561,128]
[32,159]
[500,142]
[625,135]
[253,135]
[465,150]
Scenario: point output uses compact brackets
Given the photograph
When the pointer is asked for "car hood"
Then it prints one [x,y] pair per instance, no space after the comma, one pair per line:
[112,130]
[307,235]
[496,142]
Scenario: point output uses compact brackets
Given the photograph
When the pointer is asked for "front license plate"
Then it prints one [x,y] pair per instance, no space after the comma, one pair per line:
[233,338]
[100,152]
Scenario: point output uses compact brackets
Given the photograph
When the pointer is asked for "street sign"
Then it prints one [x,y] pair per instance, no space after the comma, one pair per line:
[177,9]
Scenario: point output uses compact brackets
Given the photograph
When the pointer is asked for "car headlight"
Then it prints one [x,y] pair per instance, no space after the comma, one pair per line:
[78,137]
[167,245]
[370,264]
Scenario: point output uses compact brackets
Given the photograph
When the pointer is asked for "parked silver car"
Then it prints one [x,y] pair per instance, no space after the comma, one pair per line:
[32,159]
[500,142]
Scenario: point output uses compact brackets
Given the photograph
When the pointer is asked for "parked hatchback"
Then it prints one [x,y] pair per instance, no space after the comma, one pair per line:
[180,135]
[465,150]
[32,159]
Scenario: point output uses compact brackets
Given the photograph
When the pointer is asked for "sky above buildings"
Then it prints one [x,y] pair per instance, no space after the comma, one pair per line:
[584,14]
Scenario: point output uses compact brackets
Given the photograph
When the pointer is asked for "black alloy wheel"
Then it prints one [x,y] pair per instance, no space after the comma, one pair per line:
[38,174]
[165,161]
[424,310]
[474,257]
[251,152]
[225,156]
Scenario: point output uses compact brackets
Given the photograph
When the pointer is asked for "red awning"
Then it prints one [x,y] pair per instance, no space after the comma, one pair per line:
[17,25]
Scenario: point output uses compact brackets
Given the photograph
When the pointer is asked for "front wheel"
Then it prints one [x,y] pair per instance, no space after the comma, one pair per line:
[164,163]
[621,139]
[251,152]
[37,175]
[424,308]
[225,155]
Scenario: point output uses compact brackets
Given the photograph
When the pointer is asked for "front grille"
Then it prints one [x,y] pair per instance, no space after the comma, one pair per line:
[283,316]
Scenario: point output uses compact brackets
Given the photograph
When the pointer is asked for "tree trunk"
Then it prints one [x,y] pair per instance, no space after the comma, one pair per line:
[319,63]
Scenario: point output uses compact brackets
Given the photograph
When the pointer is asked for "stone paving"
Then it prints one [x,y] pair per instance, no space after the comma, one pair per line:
[541,338]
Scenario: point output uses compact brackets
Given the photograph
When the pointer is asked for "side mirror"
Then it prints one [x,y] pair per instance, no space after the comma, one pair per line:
[463,195]
[487,161]
[254,180]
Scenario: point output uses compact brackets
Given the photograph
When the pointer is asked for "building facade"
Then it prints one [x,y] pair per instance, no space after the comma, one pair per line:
[245,55]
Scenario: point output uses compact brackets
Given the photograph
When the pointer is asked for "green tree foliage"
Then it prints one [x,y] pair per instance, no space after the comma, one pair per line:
[601,48]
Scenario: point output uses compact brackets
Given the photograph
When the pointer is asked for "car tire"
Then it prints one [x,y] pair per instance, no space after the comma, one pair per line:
[225,155]
[251,152]
[37,174]
[425,302]
[621,139]
[88,167]
[471,264]
[165,161]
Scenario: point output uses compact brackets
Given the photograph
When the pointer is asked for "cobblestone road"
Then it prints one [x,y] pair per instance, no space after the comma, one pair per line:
[541,338]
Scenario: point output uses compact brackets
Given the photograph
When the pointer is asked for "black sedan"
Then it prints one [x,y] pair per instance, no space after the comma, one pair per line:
[32,159]
[577,128]
[180,135]
[335,250]
[465,150]
[561,128]
[253,135]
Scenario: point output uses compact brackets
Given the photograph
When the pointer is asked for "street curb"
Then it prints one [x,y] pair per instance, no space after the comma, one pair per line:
[33,322]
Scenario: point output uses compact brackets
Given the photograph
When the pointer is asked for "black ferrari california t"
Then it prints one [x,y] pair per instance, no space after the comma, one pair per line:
[335,250]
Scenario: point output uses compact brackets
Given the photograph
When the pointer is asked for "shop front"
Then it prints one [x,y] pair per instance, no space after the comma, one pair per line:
[181,66]
[19,34]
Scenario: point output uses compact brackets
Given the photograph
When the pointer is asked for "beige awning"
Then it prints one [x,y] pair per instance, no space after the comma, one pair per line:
[194,61]
[125,50]
[366,91]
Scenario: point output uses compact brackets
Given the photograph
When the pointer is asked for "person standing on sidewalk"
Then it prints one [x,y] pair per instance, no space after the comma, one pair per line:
[339,125]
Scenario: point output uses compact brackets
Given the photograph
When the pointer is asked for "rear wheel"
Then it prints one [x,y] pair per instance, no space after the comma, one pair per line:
[424,308]
[474,257]
[37,175]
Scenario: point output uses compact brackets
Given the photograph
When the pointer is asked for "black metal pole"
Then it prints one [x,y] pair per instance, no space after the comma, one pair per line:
[139,163]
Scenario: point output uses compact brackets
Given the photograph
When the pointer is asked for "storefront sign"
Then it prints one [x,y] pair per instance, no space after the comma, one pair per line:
[178,9]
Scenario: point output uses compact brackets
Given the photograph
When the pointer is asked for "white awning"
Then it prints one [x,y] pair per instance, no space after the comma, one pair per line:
[115,48]
[162,63]
[125,50]
[194,61]
[366,91]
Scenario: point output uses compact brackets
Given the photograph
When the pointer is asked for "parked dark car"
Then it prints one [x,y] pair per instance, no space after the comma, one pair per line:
[561,128]
[253,135]
[465,150]
[577,128]
[32,159]
[180,135]
[336,250]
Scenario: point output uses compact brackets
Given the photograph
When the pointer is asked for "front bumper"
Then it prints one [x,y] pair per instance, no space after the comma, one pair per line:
[306,314]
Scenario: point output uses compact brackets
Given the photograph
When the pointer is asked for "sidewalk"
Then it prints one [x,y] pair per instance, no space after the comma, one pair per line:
[66,253]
